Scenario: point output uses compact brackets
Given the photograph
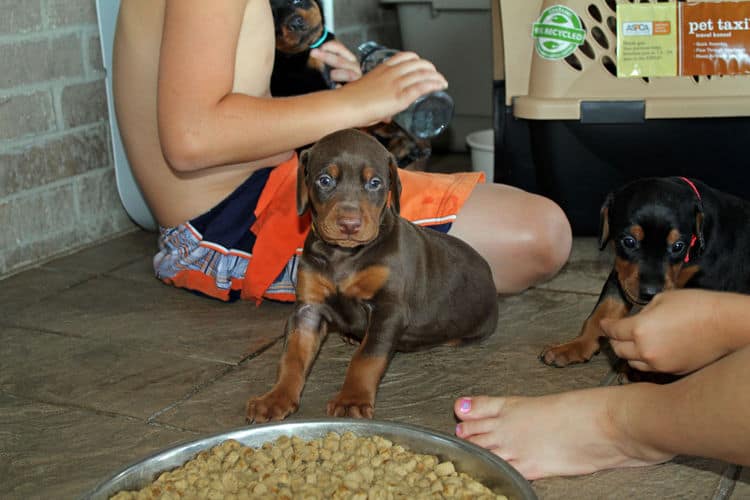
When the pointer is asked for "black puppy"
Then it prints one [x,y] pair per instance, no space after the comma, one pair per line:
[668,233]
[299,26]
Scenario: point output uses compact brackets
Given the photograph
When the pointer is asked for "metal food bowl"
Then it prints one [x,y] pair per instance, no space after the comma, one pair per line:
[482,465]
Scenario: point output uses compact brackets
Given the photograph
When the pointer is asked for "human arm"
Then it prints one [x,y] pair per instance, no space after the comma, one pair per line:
[204,122]
[680,331]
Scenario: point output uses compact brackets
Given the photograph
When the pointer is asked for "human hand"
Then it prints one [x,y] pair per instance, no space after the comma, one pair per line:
[393,85]
[344,65]
[677,332]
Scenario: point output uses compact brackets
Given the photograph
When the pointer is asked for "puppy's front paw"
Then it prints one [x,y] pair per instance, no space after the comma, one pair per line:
[350,340]
[355,406]
[569,353]
[274,405]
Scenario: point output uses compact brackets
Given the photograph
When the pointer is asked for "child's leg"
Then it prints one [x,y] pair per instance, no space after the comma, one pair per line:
[706,413]
[526,238]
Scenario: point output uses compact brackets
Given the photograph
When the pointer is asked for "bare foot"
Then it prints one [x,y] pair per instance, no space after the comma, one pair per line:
[563,434]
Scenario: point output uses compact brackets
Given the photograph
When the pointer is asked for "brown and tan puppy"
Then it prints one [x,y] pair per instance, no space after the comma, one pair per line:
[373,276]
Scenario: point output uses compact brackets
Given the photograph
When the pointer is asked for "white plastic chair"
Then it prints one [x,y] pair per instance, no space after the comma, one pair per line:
[130,194]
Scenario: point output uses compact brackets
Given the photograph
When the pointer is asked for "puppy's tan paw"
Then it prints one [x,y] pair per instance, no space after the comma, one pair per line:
[274,405]
[354,407]
[350,340]
[569,353]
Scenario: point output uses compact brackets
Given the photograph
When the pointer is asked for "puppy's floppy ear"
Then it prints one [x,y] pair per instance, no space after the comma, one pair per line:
[604,221]
[303,195]
[395,183]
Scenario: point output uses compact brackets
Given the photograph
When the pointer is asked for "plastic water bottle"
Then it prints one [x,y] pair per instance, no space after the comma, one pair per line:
[426,117]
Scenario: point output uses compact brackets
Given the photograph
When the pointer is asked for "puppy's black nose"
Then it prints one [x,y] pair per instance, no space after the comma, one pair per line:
[647,292]
[297,23]
[349,225]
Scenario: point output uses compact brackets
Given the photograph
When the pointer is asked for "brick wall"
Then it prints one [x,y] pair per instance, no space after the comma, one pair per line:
[57,186]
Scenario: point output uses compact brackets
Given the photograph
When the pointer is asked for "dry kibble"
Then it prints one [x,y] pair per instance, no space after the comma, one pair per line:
[281,464]
[335,466]
[445,469]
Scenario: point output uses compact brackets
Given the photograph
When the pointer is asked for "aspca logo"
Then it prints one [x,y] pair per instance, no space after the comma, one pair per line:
[638,28]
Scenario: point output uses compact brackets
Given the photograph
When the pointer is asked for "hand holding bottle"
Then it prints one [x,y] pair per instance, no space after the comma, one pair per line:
[416,81]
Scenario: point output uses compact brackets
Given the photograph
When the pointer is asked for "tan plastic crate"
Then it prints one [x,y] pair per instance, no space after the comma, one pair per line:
[553,90]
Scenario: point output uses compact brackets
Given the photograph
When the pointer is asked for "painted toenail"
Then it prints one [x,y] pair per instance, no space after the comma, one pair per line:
[458,430]
[465,405]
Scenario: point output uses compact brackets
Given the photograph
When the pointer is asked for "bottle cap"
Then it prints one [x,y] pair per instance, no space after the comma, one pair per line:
[365,49]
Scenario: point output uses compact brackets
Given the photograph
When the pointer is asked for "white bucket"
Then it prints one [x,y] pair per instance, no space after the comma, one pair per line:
[482,146]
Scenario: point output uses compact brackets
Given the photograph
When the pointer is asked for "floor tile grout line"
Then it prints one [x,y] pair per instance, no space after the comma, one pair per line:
[97,411]
[728,481]
[50,266]
[260,351]
[43,330]
[151,420]
[42,297]
[171,427]
[109,272]
[68,253]
[192,392]
[69,406]
[136,348]
[207,383]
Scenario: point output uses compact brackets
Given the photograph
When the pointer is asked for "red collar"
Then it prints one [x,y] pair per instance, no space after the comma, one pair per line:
[693,238]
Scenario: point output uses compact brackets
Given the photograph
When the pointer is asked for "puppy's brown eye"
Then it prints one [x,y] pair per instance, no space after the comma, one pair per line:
[677,247]
[374,184]
[629,242]
[325,181]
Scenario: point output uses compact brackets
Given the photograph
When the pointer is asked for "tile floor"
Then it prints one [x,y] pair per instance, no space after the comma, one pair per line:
[102,365]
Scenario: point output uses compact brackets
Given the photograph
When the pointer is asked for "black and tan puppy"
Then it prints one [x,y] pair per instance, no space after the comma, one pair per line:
[299,26]
[373,276]
[668,233]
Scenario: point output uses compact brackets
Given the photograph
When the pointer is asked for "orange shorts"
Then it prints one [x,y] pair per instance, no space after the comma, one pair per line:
[265,264]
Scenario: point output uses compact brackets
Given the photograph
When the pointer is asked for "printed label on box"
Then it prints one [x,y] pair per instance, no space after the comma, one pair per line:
[715,38]
[647,40]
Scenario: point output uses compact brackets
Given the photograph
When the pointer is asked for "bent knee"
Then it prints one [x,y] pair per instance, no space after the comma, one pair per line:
[550,238]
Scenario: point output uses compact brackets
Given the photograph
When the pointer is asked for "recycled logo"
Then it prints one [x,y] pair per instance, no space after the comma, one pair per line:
[558,32]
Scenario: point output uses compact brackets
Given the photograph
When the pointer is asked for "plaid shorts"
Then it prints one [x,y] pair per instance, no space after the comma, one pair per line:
[210,254]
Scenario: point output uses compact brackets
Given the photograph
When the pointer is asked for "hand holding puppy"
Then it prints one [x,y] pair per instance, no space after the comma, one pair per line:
[679,331]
